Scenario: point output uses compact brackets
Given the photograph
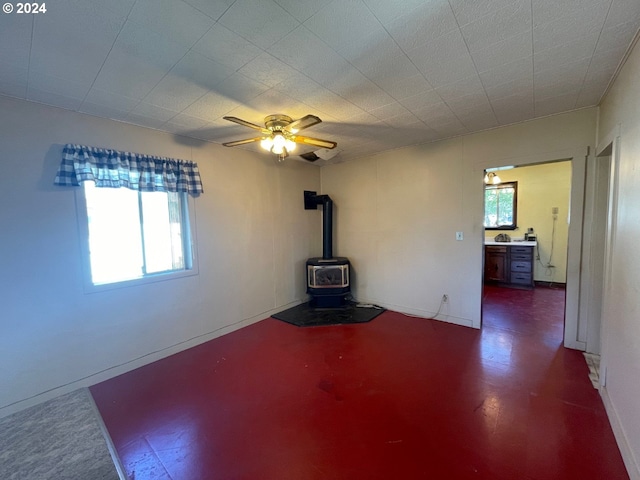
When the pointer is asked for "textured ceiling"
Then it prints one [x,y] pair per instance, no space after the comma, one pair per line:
[380,73]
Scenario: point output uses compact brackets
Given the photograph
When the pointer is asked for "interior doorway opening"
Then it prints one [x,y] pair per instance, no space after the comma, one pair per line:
[533,257]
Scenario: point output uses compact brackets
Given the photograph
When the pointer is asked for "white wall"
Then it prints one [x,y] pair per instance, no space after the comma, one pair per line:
[397,212]
[620,117]
[541,187]
[253,236]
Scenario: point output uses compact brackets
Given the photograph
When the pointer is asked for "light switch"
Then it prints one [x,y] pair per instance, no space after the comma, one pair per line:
[459,236]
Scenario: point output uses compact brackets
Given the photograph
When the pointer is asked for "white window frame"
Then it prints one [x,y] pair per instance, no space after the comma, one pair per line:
[83,229]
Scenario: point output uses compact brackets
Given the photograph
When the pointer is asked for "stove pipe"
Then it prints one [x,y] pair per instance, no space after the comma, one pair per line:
[311,202]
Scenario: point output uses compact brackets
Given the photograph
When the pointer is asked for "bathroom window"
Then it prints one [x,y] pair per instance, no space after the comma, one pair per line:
[501,206]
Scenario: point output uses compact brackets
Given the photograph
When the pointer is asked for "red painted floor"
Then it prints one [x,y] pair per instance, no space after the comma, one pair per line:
[397,398]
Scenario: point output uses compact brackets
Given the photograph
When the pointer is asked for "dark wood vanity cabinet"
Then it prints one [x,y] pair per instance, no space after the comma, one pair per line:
[521,265]
[496,264]
[510,265]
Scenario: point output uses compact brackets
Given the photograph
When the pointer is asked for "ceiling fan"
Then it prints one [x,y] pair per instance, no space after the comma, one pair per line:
[280,134]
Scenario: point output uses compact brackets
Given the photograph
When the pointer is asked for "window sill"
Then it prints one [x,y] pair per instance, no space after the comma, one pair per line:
[134,282]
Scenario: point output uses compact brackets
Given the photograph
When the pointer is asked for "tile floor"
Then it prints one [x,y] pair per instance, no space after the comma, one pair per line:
[396,398]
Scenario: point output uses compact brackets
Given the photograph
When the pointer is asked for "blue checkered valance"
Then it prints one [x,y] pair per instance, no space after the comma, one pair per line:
[111,168]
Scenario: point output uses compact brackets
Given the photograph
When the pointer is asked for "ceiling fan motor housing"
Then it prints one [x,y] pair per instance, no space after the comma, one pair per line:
[277,122]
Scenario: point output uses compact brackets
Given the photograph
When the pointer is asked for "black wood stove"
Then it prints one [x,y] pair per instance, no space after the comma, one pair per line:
[328,281]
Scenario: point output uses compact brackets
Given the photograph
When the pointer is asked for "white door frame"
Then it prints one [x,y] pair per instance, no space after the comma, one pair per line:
[609,146]
[575,331]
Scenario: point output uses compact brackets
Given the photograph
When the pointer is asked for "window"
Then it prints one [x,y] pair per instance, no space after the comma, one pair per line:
[134,235]
[500,206]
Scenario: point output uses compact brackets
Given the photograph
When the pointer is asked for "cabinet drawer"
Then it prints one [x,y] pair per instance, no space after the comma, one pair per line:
[521,278]
[525,257]
[521,266]
[525,250]
[495,249]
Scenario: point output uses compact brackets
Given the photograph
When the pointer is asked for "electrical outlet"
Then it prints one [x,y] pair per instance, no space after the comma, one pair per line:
[554,210]
[459,236]
[445,298]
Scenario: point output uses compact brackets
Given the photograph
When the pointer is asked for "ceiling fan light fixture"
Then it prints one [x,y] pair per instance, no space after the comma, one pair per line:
[279,143]
[290,145]
[267,143]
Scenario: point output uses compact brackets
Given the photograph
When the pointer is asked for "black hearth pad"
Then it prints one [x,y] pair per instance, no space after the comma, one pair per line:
[305,316]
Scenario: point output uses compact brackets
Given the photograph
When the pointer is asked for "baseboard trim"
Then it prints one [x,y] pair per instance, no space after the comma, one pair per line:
[441,317]
[556,285]
[630,462]
[150,357]
[576,345]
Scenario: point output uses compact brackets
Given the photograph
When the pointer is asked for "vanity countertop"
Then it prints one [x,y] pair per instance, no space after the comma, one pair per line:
[521,243]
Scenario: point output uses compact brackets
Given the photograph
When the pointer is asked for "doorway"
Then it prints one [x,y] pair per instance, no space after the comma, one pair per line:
[543,206]
[596,228]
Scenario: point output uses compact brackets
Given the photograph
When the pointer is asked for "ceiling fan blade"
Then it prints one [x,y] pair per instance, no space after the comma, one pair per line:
[239,121]
[316,142]
[302,123]
[242,142]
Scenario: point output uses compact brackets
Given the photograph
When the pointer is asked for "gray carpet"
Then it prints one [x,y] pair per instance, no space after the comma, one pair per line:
[60,439]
